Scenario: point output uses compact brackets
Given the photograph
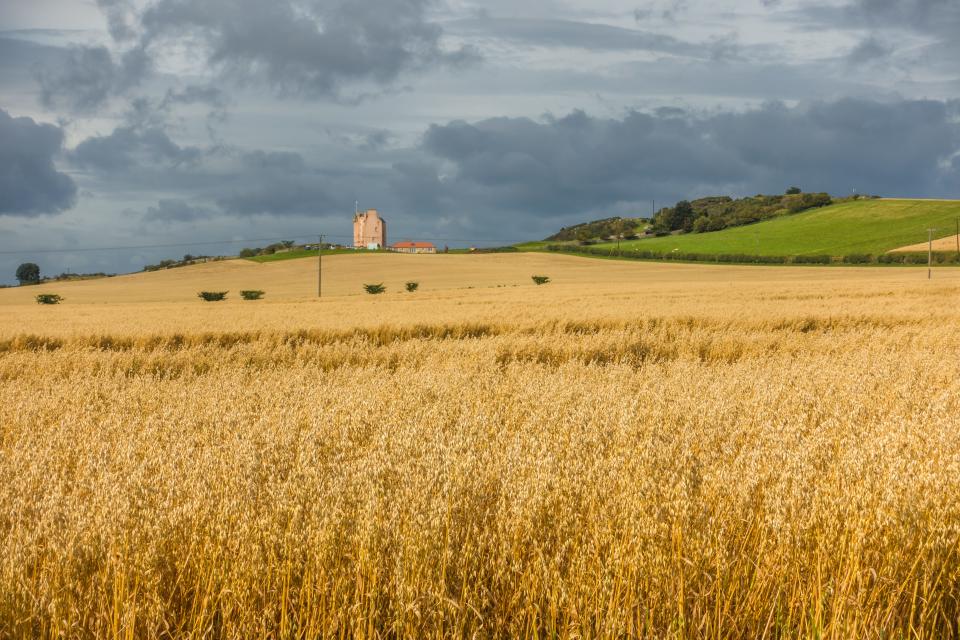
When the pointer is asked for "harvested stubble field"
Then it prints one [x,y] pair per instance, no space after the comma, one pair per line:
[635,450]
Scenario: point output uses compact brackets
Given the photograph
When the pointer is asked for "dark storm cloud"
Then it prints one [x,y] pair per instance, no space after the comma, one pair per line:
[311,48]
[30,184]
[128,148]
[89,76]
[566,33]
[579,163]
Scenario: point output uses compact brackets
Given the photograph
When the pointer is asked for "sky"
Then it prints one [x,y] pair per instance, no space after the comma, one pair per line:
[137,130]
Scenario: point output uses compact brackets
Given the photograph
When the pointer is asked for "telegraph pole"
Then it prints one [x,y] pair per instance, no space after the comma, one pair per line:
[320,268]
[930,253]
[958,236]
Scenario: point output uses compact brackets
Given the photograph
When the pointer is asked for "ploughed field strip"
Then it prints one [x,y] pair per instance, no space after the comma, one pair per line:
[675,455]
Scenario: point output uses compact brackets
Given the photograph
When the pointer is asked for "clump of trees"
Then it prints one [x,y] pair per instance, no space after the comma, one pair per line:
[538,280]
[719,212]
[212,296]
[28,273]
[49,298]
[270,249]
[251,294]
[604,228]
[187,260]
[374,289]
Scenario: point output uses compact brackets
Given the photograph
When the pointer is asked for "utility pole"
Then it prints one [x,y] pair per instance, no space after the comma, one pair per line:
[320,268]
[930,253]
[958,236]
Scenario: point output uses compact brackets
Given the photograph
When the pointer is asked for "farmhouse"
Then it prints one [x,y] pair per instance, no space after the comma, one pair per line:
[369,230]
[414,247]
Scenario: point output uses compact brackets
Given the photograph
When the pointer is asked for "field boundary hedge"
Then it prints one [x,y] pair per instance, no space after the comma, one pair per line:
[744,258]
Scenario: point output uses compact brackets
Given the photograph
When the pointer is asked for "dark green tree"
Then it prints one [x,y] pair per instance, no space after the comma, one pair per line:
[683,216]
[792,191]
[28,273]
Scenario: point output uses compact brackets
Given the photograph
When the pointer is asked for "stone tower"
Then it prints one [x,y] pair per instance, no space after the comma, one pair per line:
[369,229]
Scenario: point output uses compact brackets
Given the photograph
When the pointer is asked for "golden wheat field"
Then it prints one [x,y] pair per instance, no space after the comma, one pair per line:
[633,450]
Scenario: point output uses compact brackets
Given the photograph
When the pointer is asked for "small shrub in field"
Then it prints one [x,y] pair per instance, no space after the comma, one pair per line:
[213,296]
[412,286]
[374,289]
[251,294]
[49,298]
[540,279]
[858,258]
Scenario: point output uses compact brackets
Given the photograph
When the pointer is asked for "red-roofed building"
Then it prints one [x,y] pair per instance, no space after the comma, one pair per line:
[414,247]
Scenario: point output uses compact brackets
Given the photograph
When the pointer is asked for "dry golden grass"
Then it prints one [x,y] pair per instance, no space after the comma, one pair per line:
[631,451]
[947,244]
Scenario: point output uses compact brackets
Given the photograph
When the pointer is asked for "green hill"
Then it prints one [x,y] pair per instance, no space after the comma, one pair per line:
[854,227]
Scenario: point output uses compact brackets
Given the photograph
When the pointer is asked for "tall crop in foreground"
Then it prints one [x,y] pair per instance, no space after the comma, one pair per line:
[683,470]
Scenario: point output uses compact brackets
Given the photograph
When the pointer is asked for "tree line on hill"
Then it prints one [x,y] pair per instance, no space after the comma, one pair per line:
[183,262]
[720,212]
[605,228]
[702,215]
[270,249]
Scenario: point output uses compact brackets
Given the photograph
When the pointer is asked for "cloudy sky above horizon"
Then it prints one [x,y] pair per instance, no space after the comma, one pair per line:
[133,123]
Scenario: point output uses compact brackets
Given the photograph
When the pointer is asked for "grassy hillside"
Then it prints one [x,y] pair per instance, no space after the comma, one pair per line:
[863,226]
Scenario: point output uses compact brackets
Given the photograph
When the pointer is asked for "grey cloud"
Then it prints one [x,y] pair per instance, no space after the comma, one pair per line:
[577,164]
[869,50]
[196,94]
[933,16]
[89,77]
[118,14]
[566,33]
[176,210]
[667,10]
[30,184]
[128,148]
[311,48]
[918,13]
[314,48]
[219,180]
[277,183]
